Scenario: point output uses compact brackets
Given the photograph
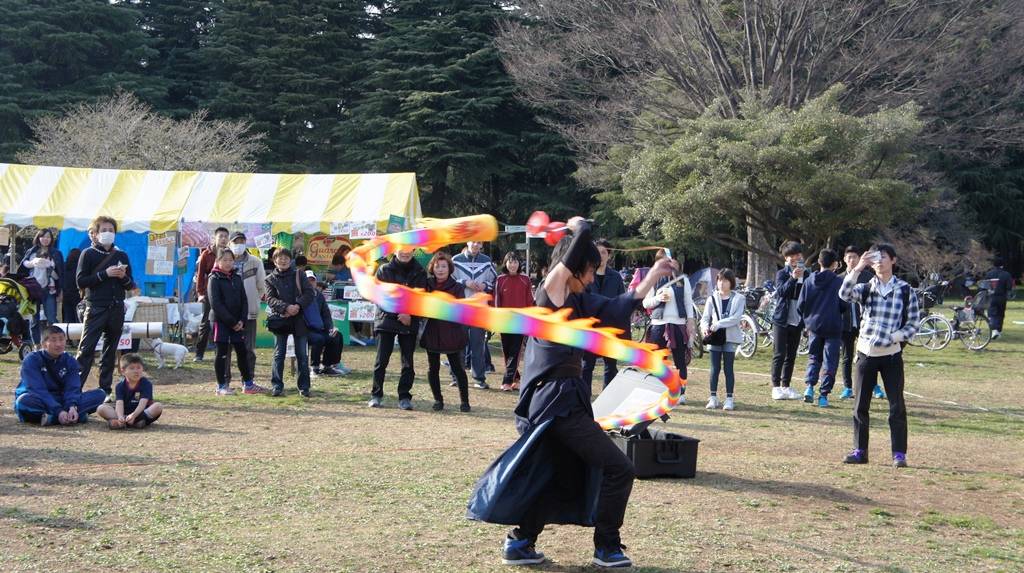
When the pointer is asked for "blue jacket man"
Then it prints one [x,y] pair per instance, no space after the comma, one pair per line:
[822,311]
[50,390]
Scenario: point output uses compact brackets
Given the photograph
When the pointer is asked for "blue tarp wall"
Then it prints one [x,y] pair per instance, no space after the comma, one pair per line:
[136,245]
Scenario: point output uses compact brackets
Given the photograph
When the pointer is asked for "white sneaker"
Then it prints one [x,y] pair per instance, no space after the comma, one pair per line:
[682,400]
[778,394]
[996,334]
[792,394]
[712,403]
[729,404]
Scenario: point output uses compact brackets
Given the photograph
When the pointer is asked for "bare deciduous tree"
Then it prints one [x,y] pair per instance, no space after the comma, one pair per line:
[612,72]
[120,132]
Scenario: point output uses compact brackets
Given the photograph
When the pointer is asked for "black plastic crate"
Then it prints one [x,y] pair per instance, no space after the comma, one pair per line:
[657,453]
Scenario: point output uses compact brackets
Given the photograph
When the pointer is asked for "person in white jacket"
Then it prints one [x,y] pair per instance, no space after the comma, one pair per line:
[672,317]
[723,311]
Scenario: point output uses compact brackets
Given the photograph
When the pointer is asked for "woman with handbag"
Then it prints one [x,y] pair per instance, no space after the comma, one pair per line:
[443,337]
[287,296]
[672,317]
[229,310]
[720,325]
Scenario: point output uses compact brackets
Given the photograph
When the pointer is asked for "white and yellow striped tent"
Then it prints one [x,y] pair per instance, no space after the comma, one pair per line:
[157,201]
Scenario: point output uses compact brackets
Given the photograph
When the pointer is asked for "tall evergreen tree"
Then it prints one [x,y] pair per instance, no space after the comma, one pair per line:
[436,100]
[177,30]
[57,53]
[288,67]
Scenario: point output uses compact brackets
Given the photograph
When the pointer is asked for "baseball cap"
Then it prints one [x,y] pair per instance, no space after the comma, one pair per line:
[310,275]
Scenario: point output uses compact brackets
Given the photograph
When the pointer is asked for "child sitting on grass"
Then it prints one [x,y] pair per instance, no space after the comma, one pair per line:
[134,395]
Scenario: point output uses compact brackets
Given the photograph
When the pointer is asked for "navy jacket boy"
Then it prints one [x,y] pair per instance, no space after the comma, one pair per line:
[822,312]
[50,386]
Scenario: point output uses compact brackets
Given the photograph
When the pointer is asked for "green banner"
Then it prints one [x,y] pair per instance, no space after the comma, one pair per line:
[339,312]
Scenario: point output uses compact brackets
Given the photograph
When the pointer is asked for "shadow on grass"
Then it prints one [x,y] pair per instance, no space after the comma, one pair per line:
[32,484]
[564,568]
[732,483]
[39,520]
[183,429]
[15,457]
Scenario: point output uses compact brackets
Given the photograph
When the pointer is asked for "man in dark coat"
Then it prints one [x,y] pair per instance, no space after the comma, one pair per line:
[564,468]
[405,270]
[1000,283]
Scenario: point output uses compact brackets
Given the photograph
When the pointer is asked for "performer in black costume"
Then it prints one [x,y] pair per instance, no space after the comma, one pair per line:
[563,469]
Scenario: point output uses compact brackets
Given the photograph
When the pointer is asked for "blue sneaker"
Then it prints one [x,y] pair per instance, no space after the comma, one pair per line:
[878,392]
[823,401]
[520,552]
[809,394]
[856,457]
[899,460]
[847,394]
[611,557]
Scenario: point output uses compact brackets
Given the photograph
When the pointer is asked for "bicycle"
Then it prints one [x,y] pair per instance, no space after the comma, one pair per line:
[934,331]
[970,324]
[756,324]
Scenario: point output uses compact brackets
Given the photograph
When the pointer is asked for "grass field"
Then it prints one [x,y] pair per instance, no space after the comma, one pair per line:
[259,484]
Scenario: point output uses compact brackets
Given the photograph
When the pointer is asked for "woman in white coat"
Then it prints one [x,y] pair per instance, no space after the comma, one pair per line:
[723,311]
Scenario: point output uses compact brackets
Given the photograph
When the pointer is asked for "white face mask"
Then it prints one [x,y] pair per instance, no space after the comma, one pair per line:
[237,249]
[106,238]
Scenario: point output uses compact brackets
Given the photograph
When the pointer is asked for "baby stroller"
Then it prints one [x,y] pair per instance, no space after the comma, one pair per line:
[16,307]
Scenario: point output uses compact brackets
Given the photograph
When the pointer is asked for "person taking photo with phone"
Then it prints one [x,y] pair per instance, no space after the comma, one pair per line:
[891,317]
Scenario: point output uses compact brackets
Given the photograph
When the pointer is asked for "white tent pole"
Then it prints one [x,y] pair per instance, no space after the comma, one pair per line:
[179,281]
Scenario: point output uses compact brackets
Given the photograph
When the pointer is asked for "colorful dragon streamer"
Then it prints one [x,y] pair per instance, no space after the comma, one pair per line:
[536,322]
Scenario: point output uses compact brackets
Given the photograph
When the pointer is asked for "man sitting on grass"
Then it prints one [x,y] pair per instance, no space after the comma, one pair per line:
[50,390]
[134,407]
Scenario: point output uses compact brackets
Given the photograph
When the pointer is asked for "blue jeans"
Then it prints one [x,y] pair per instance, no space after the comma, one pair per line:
[720,358]
[47,311]
[827,350]
[477,350]
[30,408]
[301,358]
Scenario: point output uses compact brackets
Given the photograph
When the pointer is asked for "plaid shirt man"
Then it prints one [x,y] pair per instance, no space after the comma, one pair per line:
[884,323]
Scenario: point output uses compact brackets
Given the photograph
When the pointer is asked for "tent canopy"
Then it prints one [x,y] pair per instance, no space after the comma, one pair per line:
[141,201]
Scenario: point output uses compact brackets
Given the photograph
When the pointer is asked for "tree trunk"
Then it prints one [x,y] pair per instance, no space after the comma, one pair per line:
[759,267]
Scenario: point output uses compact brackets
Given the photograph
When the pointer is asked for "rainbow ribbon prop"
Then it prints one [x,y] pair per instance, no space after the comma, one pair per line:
[535,321]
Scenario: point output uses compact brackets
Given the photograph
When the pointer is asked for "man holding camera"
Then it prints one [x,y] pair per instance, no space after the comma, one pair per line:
[105,274]
[891,318]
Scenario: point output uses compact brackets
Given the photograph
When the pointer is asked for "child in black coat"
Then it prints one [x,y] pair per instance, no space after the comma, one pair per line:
[229,309]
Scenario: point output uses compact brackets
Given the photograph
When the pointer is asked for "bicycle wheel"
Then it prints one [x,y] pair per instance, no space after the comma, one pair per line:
[697,347]
[934,333]
[749,345]
[975,334]
[805,344]
[638,325]
[765,334]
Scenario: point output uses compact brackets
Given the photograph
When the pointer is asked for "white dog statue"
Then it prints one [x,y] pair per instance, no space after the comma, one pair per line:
[164,350]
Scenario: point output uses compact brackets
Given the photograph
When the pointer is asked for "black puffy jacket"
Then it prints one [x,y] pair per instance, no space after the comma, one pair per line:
[228,303]
[282,292]
[409,274]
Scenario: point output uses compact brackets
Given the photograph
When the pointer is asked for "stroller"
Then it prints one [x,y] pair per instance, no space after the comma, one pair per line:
[16,309]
